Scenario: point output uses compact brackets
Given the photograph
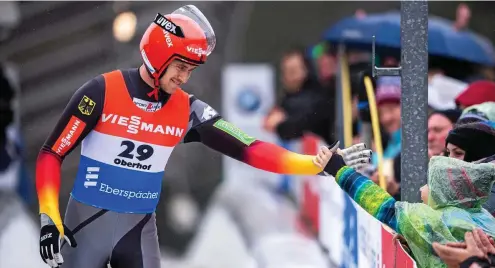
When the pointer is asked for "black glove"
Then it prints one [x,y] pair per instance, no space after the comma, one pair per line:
[336,162]
[334,165]
[51,242]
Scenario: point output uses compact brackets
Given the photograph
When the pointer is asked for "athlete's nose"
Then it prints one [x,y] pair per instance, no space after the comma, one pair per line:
[182,77]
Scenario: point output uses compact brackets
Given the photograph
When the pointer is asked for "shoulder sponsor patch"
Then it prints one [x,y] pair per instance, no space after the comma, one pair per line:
[86,105]
[69,136]
[234,131]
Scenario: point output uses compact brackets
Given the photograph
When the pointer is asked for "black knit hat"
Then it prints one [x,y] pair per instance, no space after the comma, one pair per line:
[451,114]
[476,139]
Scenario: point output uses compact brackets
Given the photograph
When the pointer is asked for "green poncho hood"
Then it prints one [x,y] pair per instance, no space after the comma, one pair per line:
[457,189]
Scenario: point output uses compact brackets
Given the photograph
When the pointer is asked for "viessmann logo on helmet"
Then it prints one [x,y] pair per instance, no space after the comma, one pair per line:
[168,26]
[196,51]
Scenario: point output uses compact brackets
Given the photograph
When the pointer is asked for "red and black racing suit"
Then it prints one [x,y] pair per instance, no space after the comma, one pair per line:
[130,240]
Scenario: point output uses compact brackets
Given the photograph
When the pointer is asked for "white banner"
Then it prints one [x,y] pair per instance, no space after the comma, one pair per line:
[353,236]
[248,93]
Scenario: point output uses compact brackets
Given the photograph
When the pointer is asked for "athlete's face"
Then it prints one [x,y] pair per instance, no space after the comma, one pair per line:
[178,72]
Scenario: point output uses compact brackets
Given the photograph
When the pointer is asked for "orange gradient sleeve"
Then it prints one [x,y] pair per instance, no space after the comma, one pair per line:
[273,158]
[226,138]
[48,185]
[79,117]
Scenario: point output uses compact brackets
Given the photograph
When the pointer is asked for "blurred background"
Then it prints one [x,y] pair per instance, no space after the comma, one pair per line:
[49,49]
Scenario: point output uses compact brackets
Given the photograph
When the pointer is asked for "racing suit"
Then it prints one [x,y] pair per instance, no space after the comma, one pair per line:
[127,138]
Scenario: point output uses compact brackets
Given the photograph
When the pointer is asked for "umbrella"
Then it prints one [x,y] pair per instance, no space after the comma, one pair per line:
[443,39]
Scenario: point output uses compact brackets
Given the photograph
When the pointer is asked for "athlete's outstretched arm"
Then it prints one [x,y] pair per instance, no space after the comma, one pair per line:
[229,140]
[77,120]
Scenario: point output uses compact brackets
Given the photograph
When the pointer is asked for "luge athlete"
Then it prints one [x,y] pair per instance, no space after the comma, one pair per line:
[129,122]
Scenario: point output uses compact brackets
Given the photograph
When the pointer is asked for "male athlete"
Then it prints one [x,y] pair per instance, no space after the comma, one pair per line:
[129,122]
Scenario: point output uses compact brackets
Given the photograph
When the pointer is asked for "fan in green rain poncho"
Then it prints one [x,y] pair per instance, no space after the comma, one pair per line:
[471,142]
[456,190]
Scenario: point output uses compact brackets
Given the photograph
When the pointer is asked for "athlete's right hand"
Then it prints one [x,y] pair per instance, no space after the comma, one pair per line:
[51,241]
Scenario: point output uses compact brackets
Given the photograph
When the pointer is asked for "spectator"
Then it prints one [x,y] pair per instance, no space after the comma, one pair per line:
[439,125]
[472,142]
[326,69]
[477,251]
[304,107]
[297,84]
[388,94]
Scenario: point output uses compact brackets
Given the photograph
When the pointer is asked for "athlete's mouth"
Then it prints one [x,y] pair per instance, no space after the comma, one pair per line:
[177,82]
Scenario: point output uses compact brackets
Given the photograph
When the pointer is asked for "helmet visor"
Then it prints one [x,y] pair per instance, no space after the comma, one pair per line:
[195,14]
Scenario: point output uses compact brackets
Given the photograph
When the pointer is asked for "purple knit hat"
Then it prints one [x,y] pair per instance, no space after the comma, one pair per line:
[388,89]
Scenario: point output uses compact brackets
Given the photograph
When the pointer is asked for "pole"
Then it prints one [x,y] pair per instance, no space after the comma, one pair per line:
[414,99]
[414,103]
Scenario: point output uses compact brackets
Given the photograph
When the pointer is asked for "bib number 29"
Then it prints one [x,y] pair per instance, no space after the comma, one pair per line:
[143,151]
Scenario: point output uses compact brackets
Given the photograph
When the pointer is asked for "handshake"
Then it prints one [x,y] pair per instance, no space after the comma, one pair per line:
[332,158]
